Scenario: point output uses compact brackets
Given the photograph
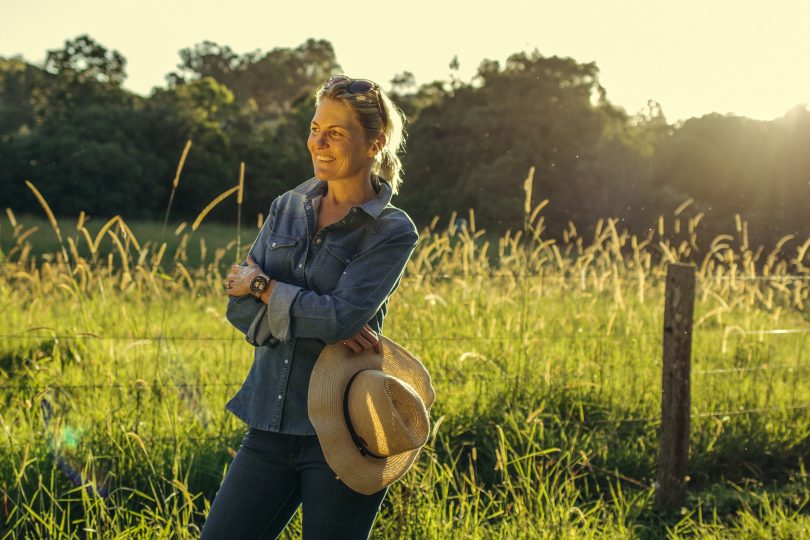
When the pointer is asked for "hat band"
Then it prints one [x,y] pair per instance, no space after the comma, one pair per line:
[358,441]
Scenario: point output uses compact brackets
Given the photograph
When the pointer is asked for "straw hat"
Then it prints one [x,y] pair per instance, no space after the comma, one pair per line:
[370,411]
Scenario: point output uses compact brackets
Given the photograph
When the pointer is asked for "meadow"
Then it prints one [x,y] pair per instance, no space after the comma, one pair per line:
[116,362]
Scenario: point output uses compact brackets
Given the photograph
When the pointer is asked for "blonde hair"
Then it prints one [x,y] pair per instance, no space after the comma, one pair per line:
[387,163]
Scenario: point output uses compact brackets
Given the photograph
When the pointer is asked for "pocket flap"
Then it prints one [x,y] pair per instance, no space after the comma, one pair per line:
[277,241]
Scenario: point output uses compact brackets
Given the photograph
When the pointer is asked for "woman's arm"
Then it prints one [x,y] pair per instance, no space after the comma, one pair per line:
[242,310]
[368,281]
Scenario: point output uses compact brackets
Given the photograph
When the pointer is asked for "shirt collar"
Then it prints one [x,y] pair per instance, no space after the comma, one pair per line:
[373,207]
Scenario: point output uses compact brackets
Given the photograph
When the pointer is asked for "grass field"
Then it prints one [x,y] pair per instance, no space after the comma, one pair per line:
[116,362]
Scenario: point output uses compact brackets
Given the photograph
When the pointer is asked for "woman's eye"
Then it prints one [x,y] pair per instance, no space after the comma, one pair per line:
[334,133]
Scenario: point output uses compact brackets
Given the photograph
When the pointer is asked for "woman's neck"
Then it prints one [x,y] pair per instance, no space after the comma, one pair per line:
[348,193]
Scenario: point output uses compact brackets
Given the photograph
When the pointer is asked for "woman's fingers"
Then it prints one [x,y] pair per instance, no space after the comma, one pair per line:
[238,274]
[352,345]
[364,340]
[372,337]
[358,343]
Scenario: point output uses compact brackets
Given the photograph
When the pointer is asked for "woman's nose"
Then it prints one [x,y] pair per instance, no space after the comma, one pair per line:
[320,140]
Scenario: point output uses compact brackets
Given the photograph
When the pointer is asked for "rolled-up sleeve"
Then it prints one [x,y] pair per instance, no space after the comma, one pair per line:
[242,311]
[368,281]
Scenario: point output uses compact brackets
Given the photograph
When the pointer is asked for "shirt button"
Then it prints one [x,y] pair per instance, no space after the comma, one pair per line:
[286,361]
[273,244]
[318,241]
[300,265]
[279,396]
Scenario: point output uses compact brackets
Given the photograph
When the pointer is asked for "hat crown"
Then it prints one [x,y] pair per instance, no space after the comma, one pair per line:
[387,413]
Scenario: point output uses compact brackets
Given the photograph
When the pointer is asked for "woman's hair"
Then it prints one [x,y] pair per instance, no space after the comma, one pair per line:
[387,163]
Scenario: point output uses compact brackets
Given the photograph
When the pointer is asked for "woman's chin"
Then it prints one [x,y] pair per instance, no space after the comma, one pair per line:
[323,172]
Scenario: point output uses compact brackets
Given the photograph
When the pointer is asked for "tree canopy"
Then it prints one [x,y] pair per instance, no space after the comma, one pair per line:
[89,144]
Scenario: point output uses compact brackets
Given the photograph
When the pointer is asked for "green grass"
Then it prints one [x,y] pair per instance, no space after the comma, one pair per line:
[193,248]
[548,390]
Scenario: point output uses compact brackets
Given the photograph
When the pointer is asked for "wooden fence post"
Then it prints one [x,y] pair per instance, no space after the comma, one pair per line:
[673,440]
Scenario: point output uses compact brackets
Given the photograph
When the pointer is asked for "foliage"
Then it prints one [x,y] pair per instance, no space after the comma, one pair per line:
[91,145]
[271,82]
[545,112]
[116,361]
[736,165]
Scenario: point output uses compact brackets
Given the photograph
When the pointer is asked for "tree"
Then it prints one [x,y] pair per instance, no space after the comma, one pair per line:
[19,81]
[204,111]
[473,147]
[271,82]
[84,59]
[83,73]
[206,59]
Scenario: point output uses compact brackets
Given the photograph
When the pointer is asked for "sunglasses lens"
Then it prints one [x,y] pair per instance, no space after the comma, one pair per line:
[360,87]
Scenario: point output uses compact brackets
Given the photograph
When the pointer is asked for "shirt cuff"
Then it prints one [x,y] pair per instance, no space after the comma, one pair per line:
[278,309]
[259,332]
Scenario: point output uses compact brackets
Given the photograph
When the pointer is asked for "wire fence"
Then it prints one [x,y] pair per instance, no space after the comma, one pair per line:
[69,461]
[534,338]
[563,420]
[31,335]
[40,333]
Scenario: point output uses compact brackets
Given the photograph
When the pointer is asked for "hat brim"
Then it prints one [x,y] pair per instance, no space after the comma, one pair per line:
[336,365]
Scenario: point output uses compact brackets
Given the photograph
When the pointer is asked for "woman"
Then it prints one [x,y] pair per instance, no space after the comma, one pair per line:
[329,255]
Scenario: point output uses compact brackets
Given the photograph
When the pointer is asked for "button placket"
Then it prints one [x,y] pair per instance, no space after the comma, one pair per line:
[285,375]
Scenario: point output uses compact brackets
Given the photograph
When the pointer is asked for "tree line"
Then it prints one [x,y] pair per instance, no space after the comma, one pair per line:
[69,126]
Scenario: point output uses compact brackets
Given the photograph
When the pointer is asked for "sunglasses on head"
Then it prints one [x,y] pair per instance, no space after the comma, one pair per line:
[359,88]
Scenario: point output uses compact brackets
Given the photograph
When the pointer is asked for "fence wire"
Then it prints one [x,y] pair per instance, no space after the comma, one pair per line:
[31,335]
[535,337]
[541,337]
[49,333]
[653,421]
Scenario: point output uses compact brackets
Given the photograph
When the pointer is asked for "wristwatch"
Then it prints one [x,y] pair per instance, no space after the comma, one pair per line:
[258,285]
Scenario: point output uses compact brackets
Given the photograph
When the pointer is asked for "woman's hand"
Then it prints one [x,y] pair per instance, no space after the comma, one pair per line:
[237,282]
[364,340]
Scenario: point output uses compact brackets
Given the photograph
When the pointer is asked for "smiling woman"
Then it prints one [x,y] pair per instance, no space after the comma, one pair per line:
[329,256]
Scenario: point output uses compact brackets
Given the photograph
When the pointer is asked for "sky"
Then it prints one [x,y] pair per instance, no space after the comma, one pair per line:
[693,57]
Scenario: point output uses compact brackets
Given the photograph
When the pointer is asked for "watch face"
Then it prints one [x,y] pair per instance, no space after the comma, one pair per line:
[258,285]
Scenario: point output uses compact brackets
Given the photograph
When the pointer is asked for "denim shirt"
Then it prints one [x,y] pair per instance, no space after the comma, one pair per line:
[329,285]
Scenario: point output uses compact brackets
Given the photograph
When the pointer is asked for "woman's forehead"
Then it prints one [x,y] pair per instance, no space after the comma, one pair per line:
[331,112]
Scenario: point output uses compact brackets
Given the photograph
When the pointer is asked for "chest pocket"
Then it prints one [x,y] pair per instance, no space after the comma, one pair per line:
[332,263]
[278,257]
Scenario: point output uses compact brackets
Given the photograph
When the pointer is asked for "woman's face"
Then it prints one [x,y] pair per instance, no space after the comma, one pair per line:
[337,143]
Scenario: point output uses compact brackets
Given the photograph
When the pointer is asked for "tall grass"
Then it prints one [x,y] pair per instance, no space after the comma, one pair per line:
[545,356]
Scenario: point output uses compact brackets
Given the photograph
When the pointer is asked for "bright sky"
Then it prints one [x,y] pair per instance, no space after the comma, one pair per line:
[692,56]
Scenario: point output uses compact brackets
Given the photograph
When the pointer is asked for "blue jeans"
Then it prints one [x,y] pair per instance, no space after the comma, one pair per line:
[271,475]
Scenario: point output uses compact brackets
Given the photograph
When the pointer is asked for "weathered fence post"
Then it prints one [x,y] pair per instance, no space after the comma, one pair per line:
[673,440]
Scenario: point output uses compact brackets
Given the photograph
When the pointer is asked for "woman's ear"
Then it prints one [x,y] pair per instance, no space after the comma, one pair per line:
[377,145]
